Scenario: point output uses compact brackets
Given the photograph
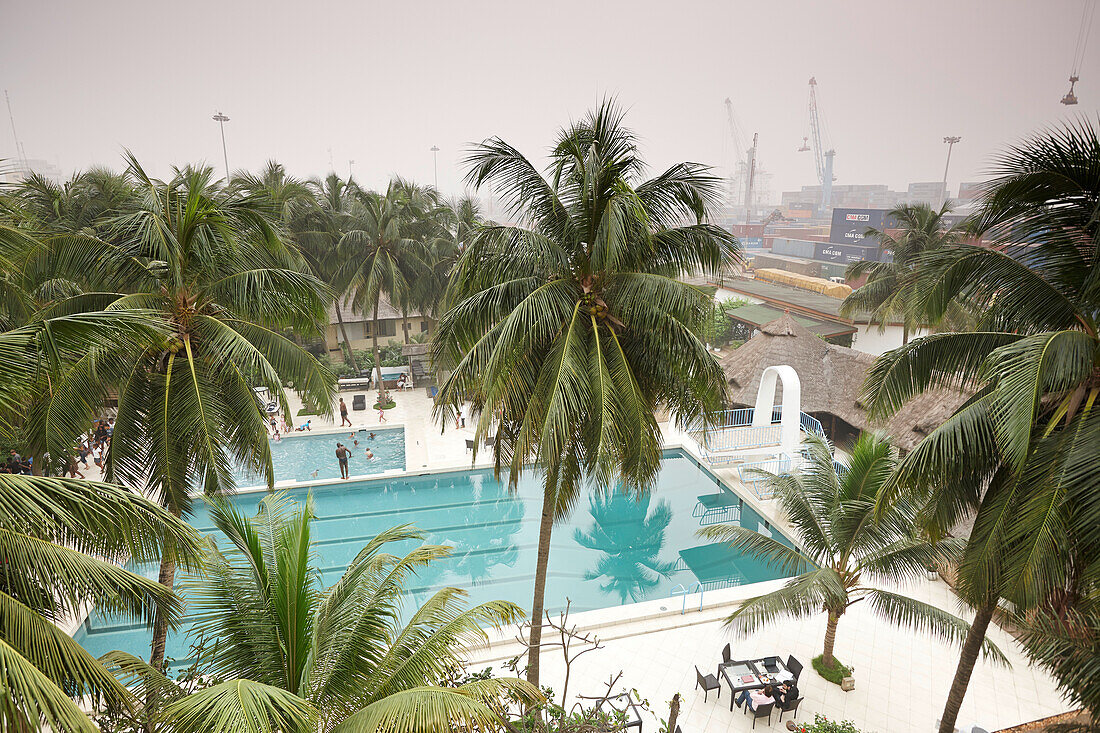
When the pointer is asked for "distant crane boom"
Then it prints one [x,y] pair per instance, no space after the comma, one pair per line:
[823,159]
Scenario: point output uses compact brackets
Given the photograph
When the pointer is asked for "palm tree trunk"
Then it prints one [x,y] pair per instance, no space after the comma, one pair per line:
[160,622]
[350,356]
[973,644]
[904,334]
[377,358]
[405,326]
[537,603]
[830,639]
[673,713]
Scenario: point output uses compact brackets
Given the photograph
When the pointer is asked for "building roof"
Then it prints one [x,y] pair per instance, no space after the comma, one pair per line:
[801,301]
[386,311]
[832,378]
[759,315]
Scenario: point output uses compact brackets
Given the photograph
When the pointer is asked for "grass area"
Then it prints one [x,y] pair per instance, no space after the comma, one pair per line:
[307,411]
[388,406]
[835,673]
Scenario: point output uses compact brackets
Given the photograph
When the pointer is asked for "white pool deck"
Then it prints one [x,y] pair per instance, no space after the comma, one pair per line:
[902,678]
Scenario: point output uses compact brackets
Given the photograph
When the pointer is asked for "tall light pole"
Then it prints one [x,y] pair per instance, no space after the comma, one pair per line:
[950,140]
[221,120]
[351,162]
[435,165]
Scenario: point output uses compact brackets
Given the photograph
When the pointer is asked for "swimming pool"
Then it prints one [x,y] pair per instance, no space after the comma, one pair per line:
[312,457]
[613,550]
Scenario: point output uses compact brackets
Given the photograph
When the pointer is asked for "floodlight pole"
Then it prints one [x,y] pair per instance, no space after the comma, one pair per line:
[950,140]
[221,120]
[435,165]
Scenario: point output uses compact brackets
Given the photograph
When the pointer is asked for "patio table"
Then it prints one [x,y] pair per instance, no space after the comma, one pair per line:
[754,668]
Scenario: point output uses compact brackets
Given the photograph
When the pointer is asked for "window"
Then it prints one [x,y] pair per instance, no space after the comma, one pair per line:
[424,326]
[387,327]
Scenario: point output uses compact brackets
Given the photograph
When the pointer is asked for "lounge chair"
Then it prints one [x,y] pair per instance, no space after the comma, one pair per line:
[359,402]
[470,444]
[708,682]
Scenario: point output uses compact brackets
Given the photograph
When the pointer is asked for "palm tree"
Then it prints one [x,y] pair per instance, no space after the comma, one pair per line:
[62,540]
[384,250]
[1020,454]
[568,330]
[629,538]
[883,296]
[214,268]
[318,230]
[340,658]
[285,195]
[850,541]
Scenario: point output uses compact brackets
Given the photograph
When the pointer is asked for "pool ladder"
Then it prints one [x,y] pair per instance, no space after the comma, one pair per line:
[680,590]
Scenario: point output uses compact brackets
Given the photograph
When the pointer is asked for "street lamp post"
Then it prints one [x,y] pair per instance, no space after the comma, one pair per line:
[950,140]
[351,162]
[435,165]
[221,120]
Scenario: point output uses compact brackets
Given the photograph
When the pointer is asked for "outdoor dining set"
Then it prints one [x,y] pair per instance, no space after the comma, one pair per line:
[753,674]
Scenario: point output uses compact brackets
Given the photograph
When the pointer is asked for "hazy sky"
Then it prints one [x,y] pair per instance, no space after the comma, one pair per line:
[381,82]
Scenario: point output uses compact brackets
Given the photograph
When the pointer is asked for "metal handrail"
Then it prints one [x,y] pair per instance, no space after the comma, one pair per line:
[685,593]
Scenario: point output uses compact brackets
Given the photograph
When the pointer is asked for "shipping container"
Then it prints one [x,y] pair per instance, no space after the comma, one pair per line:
[850,225]
[790,264]
[794,247]
[751,242]
[845,253]
[804,282]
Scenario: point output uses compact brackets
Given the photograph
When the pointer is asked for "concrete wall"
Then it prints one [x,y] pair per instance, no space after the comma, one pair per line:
[359,333]
[868,339]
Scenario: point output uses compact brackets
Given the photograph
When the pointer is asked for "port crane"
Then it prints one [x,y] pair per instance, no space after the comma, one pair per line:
[745,173]
[1079,50]
[823,155]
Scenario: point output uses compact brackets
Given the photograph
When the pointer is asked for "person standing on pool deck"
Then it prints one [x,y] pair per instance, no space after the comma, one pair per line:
[344,414]
[342,454]
[381,415]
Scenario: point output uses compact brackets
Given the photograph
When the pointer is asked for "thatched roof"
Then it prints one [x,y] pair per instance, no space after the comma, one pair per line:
[831,378]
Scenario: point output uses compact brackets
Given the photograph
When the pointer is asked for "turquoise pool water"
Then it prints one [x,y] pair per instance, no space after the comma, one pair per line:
[613,550]
[298,457]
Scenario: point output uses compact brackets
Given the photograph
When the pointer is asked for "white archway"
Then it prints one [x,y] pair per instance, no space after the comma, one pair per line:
[791,412]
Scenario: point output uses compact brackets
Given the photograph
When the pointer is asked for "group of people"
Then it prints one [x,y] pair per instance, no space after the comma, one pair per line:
[783,695]
[343,453]
[17,464]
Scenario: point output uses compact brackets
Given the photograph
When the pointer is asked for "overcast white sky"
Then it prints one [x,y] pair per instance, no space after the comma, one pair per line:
[381,82]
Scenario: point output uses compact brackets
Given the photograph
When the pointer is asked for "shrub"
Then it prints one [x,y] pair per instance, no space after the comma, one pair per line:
[822,724]
[835,673]
[388,406]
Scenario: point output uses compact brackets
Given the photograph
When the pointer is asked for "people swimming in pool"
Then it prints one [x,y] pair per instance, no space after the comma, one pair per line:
[370,456]
[371,436]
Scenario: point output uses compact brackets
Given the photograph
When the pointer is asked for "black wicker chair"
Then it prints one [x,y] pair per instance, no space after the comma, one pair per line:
[707,682]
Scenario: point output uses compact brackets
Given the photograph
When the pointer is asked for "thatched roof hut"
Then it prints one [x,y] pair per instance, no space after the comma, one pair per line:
[831,378]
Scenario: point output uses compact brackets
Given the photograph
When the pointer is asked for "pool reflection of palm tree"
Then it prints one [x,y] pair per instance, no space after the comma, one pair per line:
[630,538]
[492,543]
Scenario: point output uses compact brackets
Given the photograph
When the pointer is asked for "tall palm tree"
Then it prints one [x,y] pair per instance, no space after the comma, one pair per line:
[284,194]
[62,541]
[383,250]
[215,269]
[318,230]
[568,330]
[1020,454]
[340,658]
[883,296]
[848,546]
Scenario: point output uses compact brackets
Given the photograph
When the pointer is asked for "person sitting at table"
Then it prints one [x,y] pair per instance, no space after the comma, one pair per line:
[753,698]
[786,694]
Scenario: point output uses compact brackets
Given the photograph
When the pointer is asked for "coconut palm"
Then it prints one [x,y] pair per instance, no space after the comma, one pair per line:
[569,329]
[629,537]
[844,547]
[338,658]
[62,540]
[216,271]
[285,195]
[1020,454]
[318,230]
[884,296]
[384,251]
